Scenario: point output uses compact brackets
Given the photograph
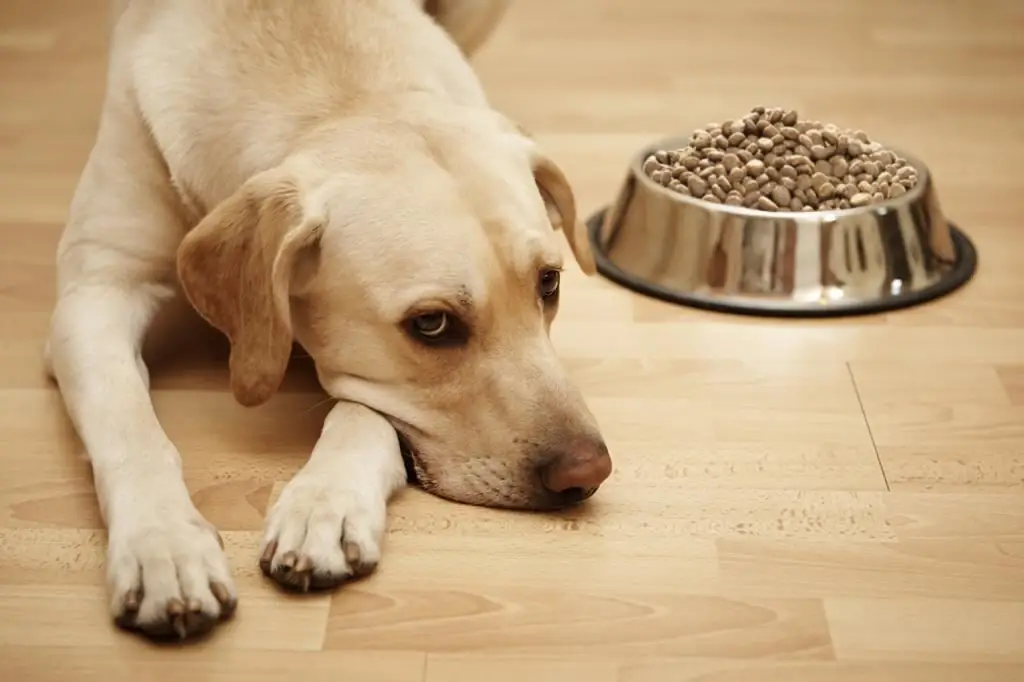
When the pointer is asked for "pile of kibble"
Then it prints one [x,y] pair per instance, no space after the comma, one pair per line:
[771,160]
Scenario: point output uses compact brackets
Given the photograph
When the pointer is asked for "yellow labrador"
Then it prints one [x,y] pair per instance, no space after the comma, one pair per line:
[327,172]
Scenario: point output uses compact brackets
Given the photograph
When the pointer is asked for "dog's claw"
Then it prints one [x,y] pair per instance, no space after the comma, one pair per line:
[354,557]
[288,560]
[132,601]
[268,556]
[227,602]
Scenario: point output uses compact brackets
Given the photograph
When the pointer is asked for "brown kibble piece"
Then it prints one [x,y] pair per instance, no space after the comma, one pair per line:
[781,195]
[697,186]
[766,204]
[860,199]
[820,152]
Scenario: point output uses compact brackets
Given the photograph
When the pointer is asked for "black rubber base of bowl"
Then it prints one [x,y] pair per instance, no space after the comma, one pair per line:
[966,265]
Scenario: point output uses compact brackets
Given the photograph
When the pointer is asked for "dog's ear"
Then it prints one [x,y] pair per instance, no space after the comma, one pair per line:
[560,202]
[558,196]
[235,267]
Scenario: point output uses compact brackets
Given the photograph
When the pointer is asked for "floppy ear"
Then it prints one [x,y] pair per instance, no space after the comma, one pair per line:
[561,205]
[558,196]
[235,268]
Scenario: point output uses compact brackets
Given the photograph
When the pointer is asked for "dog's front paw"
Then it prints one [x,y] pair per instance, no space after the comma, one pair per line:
[168,574]
[320,533]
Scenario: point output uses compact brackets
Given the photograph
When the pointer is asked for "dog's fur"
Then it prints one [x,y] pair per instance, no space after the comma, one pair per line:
[325,172]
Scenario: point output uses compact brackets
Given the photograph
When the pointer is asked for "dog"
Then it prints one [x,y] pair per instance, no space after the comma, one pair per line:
[329,175]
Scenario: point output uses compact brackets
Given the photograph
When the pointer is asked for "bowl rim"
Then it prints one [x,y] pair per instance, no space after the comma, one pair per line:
[678,141]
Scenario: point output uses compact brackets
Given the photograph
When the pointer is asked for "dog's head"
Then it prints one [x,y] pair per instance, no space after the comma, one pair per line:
[420,268]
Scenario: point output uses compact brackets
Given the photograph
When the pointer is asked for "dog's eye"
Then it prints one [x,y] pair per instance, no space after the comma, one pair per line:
[549,283]
[439,329]
[431,325]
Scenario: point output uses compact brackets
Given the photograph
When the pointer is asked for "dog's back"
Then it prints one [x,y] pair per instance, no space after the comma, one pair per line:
[235,82]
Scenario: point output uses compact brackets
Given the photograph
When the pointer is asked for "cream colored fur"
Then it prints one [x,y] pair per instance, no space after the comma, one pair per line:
[324,172]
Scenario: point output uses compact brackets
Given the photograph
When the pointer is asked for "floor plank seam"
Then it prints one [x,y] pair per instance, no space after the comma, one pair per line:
[867,424]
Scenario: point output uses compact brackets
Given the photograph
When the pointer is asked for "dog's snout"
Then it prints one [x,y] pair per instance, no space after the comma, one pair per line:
[582,468]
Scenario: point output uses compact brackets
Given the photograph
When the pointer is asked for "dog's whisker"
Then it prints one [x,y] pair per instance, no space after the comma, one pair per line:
[320,403]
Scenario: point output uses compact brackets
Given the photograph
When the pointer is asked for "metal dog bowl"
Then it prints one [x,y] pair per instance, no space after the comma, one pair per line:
[681,249]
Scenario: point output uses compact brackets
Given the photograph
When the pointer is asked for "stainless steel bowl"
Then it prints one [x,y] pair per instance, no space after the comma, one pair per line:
[798,264]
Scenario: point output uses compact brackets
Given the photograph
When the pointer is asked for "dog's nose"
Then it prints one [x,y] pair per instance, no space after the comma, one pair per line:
[583,468]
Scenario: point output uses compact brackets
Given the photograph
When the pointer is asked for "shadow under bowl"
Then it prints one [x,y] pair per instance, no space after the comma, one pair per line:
[871,259]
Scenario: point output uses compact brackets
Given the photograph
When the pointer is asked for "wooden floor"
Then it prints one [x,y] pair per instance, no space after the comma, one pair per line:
[793,501]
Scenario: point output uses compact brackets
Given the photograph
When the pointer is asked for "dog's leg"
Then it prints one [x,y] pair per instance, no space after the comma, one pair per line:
[329,521]
[469,22]
[166,571]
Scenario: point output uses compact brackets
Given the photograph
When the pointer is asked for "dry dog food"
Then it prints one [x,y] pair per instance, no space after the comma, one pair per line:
[771,160]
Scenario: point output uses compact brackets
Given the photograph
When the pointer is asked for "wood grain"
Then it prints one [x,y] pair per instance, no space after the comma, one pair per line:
[793,501]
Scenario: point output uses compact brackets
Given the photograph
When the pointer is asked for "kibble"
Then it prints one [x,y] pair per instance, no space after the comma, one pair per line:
[772,160]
